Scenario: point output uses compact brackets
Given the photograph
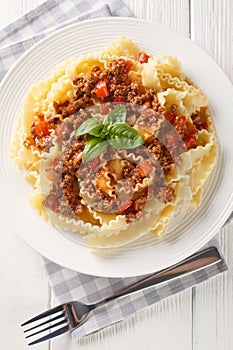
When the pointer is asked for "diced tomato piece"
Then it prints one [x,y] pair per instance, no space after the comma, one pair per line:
[190,128]
[124,206]
[184,127]
[143,57]
[183,118]
[104,110]
[145,168]
[101,89]
[128,65]
[118,99]
[41,129]
[204,125]
[191,142]
[170,116]
[141,172]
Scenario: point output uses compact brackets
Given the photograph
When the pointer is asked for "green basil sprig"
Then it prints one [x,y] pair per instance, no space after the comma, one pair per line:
[112,131]
[93,148]
[90,126]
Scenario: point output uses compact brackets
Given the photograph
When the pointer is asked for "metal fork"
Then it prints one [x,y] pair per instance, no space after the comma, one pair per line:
[73,314]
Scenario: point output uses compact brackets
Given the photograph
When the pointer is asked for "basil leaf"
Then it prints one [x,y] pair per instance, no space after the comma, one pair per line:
[117,115]
[123,130]
[106,130]
[93,148]
[124,143]
[96,131]
[90,126]
[123,136]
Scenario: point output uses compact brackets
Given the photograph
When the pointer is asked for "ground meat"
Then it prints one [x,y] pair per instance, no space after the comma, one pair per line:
[128,170]
[140,202]
[85,85]
[118,72]
[161,153]
[184,127]
[132,215]
[135,210]
[73,159]
[105,205]
[53,120]
[149,119]
[65,208]
[166,194]
[71,193]
[139,95]
[65,196]
[131,171]
[125,190]
[200,118]
[89,170]
[66,173]
[65,131]
[67,108]
[52,202]
[118,85]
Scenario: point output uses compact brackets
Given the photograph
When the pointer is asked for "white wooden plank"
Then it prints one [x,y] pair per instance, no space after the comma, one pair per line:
[212,306]
[224,319]
[11,9]
[173,14]
[24,289]
[212,29]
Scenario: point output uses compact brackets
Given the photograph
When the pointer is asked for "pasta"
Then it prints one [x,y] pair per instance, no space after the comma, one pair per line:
[115,144]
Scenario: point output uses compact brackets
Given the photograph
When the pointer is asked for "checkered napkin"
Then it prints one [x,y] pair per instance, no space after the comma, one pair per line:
[68,285]
[71,285]
[19,36]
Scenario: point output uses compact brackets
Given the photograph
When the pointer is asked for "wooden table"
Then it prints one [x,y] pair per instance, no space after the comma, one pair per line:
[197,319]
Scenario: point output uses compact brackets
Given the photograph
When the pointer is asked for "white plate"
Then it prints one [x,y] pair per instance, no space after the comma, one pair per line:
[143,256]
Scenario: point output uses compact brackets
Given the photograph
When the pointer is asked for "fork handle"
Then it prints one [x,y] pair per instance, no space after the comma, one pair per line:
[195,262]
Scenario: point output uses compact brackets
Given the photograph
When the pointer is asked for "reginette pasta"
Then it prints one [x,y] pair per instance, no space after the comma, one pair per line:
[115,144]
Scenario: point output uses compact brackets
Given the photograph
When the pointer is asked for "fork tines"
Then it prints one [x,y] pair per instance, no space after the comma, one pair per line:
[62,317]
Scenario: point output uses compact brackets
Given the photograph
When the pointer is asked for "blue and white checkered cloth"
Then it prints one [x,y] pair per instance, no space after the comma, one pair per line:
[19,36]
[69,285]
